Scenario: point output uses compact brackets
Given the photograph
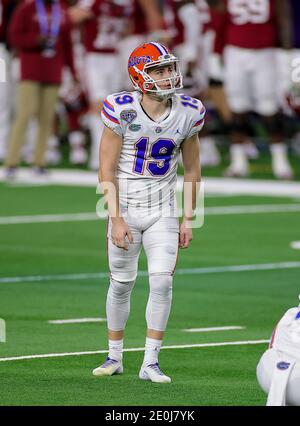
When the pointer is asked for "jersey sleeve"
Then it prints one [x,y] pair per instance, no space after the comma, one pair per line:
[196,120]
[110,115]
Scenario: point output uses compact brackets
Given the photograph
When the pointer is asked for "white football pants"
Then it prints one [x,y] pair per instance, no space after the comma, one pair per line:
[159,237]
[279,378]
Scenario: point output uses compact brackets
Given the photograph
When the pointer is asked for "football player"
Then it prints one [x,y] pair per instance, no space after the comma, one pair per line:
[6,10]
[144,132]
[278,371]
[189,21]
[105,23]
[251,30]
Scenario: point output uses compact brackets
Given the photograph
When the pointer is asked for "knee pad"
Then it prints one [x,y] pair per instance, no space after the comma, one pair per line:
[161,287]
[119,292]
[159,302]
[118,304]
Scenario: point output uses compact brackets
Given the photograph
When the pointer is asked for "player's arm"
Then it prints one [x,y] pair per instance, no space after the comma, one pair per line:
[192,177]
[109,154]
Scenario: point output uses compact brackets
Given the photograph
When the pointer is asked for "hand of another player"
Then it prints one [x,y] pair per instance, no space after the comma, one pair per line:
[120,230]
[185,236]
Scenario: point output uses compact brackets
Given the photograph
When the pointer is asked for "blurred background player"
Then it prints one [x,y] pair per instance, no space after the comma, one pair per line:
[278,371]
[72,108]
[6,10]
[111,30]
[288,76]
[40,30]
[250,31]
[193,43]
[106,22]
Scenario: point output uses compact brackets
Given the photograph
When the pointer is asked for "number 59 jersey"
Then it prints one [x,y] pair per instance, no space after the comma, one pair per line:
[147,169]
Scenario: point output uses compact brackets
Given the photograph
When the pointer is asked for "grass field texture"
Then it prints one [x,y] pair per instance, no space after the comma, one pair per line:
[63,259]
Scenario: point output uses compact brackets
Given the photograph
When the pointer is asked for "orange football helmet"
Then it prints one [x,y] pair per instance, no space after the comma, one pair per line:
[150,55]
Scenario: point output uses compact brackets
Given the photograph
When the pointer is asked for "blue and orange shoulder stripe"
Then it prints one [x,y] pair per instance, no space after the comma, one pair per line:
[202,116]
[109,112]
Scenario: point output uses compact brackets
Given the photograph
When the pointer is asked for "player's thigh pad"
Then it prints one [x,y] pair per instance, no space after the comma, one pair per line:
[101,70]
[123,264]
[265,370]
[236,79]
[160,242]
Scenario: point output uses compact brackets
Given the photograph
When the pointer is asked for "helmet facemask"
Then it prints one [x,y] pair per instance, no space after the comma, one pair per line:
[152,86]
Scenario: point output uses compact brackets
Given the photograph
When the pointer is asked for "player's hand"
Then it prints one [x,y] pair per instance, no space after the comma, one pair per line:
[186,235]
[120,230]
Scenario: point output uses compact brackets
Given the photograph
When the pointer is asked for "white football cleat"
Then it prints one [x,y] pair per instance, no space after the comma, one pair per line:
[239,166]
[108,368]
[78,156]
[280,163]
[210,155]
[236,171]
[153,372]
[251,150]
[53,157]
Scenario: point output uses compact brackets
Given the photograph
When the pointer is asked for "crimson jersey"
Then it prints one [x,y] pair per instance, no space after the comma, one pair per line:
[248,24]
[138,18]
[103,32]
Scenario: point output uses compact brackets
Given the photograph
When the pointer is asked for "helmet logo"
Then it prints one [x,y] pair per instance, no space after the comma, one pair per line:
[136,60]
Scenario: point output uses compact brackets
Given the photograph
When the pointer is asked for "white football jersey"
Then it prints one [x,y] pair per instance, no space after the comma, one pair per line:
[147,169]
[286,335]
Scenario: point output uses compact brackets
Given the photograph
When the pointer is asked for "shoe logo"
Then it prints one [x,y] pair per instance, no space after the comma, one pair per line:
[178,131]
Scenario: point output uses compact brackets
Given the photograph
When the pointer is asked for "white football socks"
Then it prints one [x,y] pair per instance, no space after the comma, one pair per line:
[239,160]
[280,162]
[115,349]
[152,348]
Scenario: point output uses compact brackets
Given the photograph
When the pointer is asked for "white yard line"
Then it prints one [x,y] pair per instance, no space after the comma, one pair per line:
[77,321]
[200,345]
[48,218]
[208,329]
[49,250]
[227,186]
[252,209]
[208,211]
[190,271]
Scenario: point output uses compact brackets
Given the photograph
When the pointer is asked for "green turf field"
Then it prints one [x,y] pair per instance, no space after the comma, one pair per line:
[55,254]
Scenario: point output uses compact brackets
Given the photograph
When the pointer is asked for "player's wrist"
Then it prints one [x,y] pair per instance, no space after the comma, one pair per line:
[117,219]
[188,217]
